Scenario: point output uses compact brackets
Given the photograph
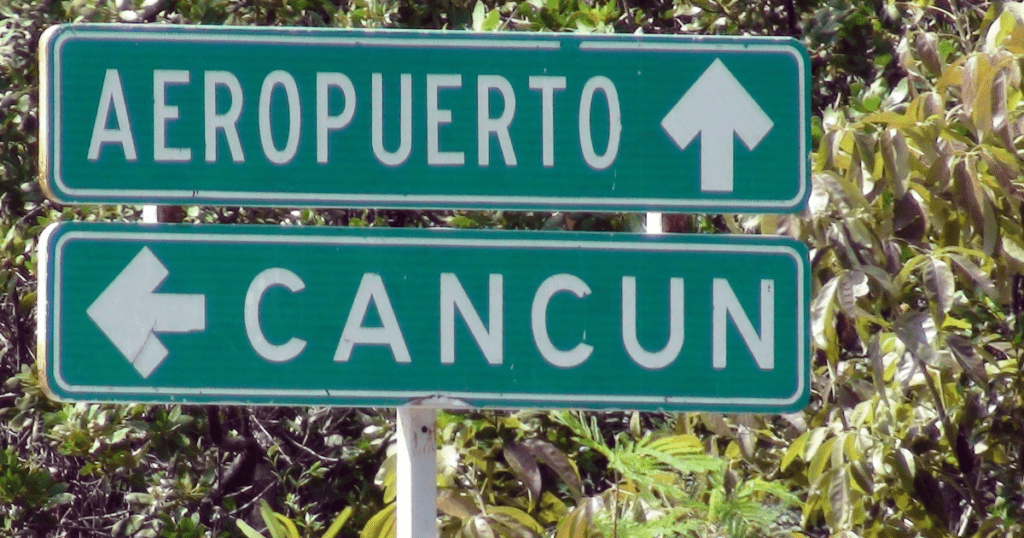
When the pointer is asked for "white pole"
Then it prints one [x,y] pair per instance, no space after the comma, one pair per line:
[653,222]
[149,215]
[417,473]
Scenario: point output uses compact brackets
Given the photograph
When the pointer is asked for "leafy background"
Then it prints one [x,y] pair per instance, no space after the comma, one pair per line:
[916,422]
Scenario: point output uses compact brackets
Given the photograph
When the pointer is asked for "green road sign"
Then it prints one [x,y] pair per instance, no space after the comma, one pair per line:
[315,117]
[367,317]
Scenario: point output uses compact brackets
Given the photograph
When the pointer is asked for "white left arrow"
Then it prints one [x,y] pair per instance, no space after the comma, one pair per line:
[716,107]
[130,312]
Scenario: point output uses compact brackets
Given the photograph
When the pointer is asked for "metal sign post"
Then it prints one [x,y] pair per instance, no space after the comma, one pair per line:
[416,502]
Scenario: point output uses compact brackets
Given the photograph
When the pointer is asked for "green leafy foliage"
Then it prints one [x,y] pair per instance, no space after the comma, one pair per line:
[915,227]
[27,489]
[280,526]
[666,484]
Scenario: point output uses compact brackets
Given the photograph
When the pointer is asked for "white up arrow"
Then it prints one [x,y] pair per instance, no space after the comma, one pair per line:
[715,107]
[129,312]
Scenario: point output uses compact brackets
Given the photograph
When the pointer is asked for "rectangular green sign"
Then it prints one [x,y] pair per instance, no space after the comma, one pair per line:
[316,117]
[382,317]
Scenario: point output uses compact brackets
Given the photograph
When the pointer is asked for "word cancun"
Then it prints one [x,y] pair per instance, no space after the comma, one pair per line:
[221,116]
[490,339]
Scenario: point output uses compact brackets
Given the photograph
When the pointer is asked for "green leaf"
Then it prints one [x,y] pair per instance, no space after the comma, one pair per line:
[896,157]
[820,460]
[458,504]
[927,46]
[823,315]
[939,283]
[119,435]
[579,523]
[862,476]
[247,530]
[275,529]
[930,495]
[462,221]
[917,331]
[852,286]
[890,119]
[794,451]
[479,12]
[1013,250]
[477,527]
[387,478]
[492,21]
[905,469]
[381,525]
[515,519]
[288,525]
[524,466]
[139,498]
[839,498]
[977,87]
[678,445]
[969,359]
[815,438]
[550,509]
[968,194]
[977,276]
[339,522]
[946,48]
[58,499]
[878,367]
[558,462]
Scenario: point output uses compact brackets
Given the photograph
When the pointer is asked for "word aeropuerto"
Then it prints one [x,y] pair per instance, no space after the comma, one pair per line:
[222,108]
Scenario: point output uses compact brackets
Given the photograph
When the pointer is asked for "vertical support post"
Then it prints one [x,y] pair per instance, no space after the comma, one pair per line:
[149,214]
[416,503]
[654,222]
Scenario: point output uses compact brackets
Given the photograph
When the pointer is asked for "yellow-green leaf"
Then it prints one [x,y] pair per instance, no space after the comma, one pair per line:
[273,527]
[839,498]
[580,521]
[289,525]
[1013,250]
[890,119]
[247,530]
[795,450]
[820,459]
[339,522]
[509,514]
[678,445]
[381,525]
[457,504]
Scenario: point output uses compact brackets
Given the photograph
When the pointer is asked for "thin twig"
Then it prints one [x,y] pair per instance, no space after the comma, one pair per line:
[311,451]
